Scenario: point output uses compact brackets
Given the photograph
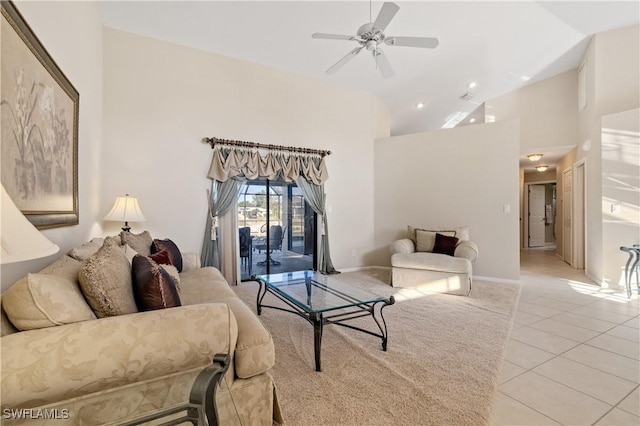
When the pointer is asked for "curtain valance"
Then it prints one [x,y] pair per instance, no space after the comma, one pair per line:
[251,163]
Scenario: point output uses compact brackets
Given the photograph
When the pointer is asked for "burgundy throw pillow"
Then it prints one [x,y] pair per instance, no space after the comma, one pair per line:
[175,257]
[161,257]
[445,244]
[153,287]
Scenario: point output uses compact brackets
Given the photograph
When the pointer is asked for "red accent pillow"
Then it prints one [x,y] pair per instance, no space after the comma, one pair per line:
[153,287]
[161,258]
[445,244]
[175,257]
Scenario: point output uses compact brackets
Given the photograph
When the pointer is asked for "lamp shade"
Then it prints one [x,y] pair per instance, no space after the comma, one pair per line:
[126,209]
[20,239]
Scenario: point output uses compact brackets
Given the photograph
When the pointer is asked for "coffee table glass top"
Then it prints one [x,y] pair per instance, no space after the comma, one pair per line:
[314,292]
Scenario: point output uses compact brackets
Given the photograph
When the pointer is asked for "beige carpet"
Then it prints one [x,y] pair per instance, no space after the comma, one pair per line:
[441,366]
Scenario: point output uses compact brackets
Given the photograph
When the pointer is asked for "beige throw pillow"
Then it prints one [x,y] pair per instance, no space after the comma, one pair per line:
[45,300]
[128,252]
[86,250]
[105,280]
[141,242]
[64,267]
[425,240]
[460,232]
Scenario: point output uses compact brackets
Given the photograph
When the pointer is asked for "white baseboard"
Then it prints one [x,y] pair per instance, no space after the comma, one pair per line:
[497,280]
[593,278]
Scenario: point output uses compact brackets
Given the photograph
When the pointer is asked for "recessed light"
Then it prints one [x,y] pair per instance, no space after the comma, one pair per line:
[525,78]
[472,120]
[419,105]
[472,85]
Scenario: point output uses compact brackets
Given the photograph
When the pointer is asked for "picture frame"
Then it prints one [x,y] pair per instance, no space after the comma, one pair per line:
[39,109]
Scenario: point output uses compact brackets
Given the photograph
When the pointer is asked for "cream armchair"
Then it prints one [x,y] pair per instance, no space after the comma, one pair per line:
[434,260]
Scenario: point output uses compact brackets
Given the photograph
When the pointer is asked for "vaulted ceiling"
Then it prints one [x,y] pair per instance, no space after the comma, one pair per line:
[501,46]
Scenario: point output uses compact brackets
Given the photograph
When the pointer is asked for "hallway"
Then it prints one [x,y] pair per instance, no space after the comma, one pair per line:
[573,357]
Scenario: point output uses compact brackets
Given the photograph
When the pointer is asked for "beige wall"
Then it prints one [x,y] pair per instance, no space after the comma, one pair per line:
[613,65]
[72,34]
[161,99]
[620,186]
[438,178]
[546,110]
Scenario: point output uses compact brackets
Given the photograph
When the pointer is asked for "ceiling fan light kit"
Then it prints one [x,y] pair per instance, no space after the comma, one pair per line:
[371,35]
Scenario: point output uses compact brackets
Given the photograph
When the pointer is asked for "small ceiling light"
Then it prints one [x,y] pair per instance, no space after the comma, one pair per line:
[525,78]
[472,85]
[419,105]
[472,120]
[542,168]
[534,157]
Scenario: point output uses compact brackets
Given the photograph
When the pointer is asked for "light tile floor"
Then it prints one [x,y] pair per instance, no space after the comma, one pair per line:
[573,357]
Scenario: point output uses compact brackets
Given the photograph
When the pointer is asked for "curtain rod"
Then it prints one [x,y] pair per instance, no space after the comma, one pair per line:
[213,141]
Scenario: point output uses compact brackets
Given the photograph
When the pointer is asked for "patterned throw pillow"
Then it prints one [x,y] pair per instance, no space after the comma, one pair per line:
[153,287]
[45,300]
[445,244]
[105,280]
[175,257]
[141,242]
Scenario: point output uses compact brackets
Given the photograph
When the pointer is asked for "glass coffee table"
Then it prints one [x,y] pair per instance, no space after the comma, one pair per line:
[323,299]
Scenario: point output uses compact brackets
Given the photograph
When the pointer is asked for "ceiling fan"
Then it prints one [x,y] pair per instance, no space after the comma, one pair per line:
[371,35]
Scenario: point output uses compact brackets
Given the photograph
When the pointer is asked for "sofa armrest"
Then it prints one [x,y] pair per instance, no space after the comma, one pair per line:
[467,250]
[53,364]
[190,261]
[403,246]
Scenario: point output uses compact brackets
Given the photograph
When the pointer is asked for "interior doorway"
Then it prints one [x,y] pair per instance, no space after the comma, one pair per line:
[540,211]
[276,229]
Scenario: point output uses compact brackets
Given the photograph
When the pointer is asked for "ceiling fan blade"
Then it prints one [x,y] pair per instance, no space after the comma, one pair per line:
[346,58]
[426,42]
[382,63]
[332,36]
[385,16]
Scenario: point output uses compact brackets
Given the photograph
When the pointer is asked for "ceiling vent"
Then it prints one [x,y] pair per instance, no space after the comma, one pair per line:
[467,96]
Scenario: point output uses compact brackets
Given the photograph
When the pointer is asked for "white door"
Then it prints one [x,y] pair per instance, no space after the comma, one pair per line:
[536,215]
[567,216]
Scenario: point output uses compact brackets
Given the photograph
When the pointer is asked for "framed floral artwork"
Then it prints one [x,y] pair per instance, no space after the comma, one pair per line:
[39,113]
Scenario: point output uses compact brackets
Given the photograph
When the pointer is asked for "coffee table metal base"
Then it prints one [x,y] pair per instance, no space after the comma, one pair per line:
[319,319]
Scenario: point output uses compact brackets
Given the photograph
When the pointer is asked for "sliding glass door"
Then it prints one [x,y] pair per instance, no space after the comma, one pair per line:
[276,229]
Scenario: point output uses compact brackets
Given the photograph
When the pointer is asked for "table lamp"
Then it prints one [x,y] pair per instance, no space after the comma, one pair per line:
[126,209]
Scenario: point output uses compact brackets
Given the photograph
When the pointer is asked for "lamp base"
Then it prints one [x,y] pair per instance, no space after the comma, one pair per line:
[126,227]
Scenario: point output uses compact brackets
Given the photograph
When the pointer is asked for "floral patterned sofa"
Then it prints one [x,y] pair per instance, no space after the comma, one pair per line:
[62,359]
